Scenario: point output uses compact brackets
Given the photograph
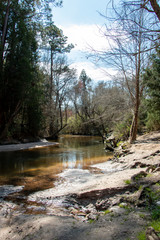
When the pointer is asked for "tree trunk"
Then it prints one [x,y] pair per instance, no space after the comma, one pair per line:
[134,127]
[50,97]
[156,8]
[7,124]
[5,30]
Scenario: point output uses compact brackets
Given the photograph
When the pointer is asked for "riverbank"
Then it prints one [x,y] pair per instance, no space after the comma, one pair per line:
[107,203]
[24,146]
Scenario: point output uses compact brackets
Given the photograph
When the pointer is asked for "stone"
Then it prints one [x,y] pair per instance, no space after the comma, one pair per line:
[92,216]
[117,210]
[102,205]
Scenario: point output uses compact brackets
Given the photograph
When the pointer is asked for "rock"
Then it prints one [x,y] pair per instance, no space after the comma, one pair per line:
[92,216]
[139,164]
[151,234]
[102,205]
[90,209]
[123,204]
[117,210]
[134,198]
[138,176]
[115,201]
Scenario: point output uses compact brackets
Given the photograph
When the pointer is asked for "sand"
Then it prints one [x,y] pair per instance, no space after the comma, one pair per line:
[60,226]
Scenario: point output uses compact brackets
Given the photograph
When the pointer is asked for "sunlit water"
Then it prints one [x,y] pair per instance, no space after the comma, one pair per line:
[37,168]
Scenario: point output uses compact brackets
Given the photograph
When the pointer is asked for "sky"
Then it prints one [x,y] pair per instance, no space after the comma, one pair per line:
[82,23]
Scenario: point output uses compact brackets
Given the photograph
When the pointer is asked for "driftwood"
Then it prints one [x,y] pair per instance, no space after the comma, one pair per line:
[110,143]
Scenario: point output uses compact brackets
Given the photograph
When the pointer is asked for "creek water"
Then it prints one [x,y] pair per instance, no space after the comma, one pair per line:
[39,167]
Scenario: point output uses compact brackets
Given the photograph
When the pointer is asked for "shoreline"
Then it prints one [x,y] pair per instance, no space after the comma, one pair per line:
[85,200]
[25,146]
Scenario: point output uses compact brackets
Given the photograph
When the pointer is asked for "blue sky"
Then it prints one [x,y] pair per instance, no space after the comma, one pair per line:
[80,12]
[82,24]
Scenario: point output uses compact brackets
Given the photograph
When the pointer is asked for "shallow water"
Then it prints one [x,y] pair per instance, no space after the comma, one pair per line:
[37,169]
[23,174]
[72,152]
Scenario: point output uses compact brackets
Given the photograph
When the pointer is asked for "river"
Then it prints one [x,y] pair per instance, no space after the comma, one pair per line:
[37,169]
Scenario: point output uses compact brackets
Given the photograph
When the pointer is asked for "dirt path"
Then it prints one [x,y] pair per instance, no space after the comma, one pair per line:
[91,195]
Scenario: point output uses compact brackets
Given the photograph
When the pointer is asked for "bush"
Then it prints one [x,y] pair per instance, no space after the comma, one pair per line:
[122,129]
[153,121]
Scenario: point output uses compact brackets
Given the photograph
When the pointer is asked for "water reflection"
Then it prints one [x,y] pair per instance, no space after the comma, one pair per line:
[73,152]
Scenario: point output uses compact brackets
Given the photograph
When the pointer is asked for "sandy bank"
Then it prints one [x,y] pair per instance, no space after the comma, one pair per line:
[23,146]
[119,225]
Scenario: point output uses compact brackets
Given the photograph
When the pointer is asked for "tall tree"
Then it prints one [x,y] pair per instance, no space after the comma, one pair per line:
[20,23]
[127,53]
[17,70]
[152,90]
[55,43]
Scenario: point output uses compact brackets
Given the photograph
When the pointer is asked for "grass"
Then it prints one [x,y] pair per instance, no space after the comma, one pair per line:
[128,181]
[141,236]
[91,221]
[156,213]
[155,223]
[142,215]
[107,211]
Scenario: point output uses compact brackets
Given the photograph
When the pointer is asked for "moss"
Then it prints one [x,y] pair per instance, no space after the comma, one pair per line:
[107,211]
[141,236]
[119,143]
[91,221]
[149,175]
[156,225]
[128,181]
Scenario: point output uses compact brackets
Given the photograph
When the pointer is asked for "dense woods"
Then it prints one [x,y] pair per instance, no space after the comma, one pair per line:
[41,96]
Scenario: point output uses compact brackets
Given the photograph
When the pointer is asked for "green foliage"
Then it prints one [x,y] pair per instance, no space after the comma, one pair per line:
[122,129]
[21,82]
[156,213]
[107,211]
[128,181]
[153,121]
[150,197]
[141,236]
[91,221]
[142,215]
[152,87]
[74,125]
[156,225]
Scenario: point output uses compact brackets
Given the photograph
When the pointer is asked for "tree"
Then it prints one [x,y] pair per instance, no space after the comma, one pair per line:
[63,78]
[18,64]
[55,43]
[127,53]
[155,7]
[152,6]
[81,98]
[20,81]
[106,105]
[84,82]
[152,89]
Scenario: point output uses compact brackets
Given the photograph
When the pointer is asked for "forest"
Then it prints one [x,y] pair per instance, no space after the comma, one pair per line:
[41,96]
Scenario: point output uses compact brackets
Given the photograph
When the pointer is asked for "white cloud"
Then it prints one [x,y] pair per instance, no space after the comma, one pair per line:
[86,36]
[95,73]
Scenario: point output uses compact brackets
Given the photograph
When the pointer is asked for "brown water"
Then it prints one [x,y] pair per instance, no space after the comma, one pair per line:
[36,169]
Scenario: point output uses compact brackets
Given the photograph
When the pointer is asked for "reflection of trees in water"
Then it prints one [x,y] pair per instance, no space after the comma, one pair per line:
[73,153]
